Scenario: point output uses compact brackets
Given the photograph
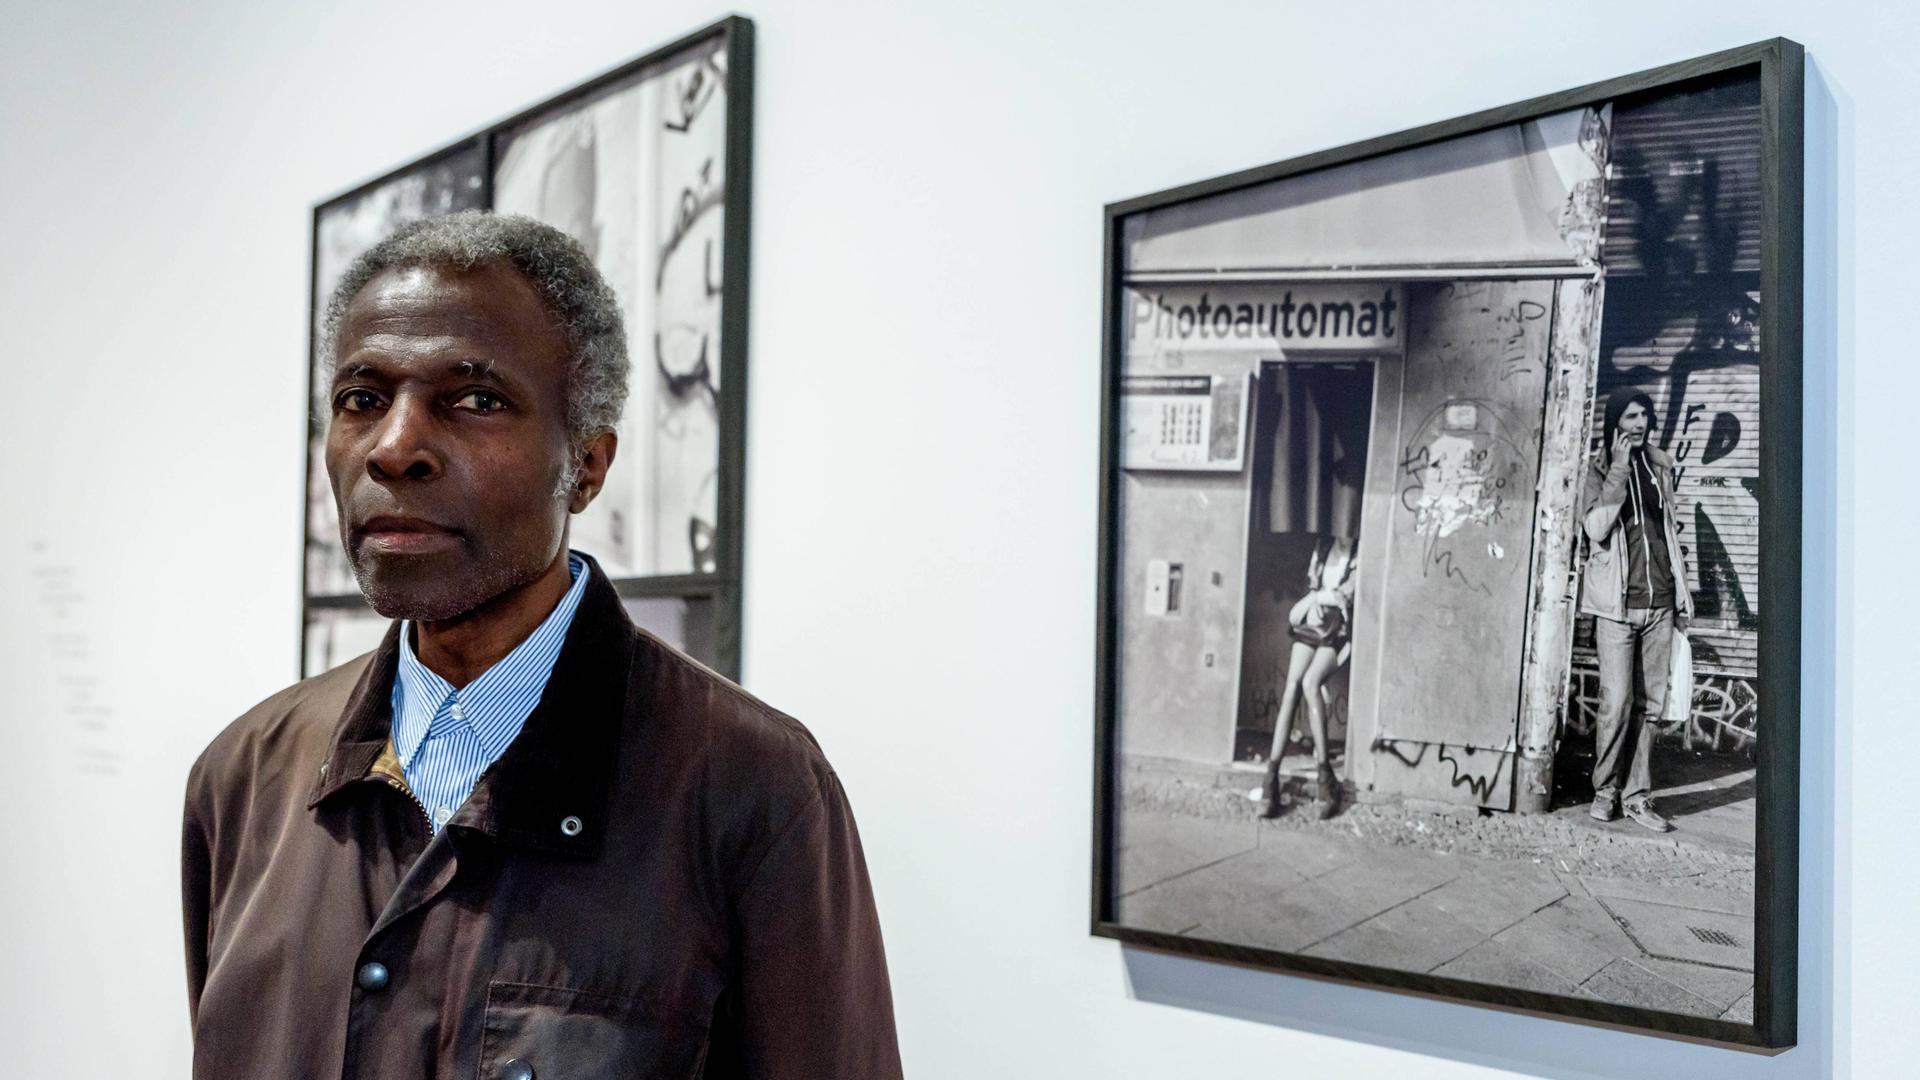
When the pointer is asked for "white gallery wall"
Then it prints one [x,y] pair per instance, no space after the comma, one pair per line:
[921,480]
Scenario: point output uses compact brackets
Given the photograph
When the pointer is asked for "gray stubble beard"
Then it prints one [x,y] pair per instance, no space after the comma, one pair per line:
[447,597]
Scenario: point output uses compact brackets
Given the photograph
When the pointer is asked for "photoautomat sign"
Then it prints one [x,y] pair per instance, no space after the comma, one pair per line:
[1290,316]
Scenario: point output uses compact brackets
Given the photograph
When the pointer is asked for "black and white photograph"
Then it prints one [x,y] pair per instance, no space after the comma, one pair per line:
[1433,563]
[637,174]
[634,164]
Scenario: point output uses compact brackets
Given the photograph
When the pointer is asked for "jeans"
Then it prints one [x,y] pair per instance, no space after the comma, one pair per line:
[1634,659]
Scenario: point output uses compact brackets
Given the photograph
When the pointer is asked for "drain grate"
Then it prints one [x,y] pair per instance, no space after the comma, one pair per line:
[1714,937]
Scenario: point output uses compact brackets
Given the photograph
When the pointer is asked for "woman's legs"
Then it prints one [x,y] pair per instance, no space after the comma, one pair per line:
[1326,791]
[1314,683]
[1297,665]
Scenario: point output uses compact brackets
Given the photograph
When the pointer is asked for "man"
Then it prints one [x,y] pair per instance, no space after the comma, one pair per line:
[521,838]
[1635,587]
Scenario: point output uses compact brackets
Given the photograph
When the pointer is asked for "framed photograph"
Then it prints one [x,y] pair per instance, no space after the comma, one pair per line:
[1449,558]
[648,167]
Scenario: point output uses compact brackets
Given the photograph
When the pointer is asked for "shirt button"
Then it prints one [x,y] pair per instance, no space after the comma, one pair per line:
[372,976]
[441,815]
[458,712]
[516,1070]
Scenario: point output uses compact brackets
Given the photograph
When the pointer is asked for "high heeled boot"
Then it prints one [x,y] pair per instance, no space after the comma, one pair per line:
[1326,791]
[1270,790]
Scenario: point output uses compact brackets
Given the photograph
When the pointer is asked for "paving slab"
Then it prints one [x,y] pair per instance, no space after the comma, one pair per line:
[1392,877]
[1313,853]
[1160,908]
[1627,983]
[1414,936]
[1691,935]
[1175,906]
[1287,922]
[1155,847]
[1573,937]
[1491,896]
[1716,811]
[1240,899]
[1488,900]
[1680,894]
[1498,964]
[1717,985]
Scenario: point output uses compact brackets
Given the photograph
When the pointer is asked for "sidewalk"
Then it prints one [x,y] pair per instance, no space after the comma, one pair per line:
[1558,903]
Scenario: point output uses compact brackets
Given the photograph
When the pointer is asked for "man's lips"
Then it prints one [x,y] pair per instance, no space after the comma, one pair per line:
[404,535]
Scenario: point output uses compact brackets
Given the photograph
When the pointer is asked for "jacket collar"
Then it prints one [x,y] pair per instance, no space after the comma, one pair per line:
[560,766]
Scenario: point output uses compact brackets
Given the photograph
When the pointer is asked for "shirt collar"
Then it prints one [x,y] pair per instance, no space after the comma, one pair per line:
[561,765]
[495,705]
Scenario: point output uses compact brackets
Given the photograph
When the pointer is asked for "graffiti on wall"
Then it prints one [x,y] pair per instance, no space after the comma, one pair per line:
[1458,471]
[1716,455]
[1685,330]
[1471,770]
[1724,718]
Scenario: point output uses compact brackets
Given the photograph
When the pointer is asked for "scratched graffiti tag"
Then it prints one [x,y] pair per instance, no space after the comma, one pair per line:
[1456,474]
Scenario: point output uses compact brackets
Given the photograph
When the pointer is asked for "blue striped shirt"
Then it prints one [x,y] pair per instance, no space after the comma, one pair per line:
[445,738]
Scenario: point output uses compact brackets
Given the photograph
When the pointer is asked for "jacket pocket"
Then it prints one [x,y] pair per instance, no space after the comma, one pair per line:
[556,1033]
[1603,588]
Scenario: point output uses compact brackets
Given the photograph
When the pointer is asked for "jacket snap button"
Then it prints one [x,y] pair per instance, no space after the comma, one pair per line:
[516,1070]
[372,976]
[570,825]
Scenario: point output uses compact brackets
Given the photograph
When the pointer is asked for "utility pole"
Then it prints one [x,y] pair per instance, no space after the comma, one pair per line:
[1573,361]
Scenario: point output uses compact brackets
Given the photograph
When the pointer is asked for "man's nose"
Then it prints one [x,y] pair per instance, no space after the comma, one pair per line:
[404,446]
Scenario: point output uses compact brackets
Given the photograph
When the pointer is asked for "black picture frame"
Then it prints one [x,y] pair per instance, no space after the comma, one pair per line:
[707,599]
[1778,66]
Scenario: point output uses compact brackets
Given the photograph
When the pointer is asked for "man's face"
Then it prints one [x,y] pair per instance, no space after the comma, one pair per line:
[448,446]
[1635,422]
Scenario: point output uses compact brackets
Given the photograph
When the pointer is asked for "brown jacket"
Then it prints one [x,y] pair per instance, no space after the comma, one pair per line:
[708,915]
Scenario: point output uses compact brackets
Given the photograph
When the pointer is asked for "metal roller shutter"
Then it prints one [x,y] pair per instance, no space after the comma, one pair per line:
[1680,323]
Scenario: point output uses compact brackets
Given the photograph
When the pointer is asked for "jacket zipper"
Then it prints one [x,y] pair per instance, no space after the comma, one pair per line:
[408,788]
[1640,519]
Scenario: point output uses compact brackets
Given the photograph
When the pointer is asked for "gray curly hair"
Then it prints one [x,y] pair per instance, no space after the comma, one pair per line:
[560,271]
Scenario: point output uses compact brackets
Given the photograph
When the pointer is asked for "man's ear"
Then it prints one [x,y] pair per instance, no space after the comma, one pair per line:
[596,457]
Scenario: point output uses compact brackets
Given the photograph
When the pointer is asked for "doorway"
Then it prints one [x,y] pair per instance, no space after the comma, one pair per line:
[1312,422]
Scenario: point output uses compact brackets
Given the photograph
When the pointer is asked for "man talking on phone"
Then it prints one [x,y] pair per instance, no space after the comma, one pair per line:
[1634,585]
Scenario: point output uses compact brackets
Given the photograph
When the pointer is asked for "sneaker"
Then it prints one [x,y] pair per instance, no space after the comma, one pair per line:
[1605,808]
[1644,815]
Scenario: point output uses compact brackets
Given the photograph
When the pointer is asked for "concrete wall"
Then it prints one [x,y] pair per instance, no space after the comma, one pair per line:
[1451,566]
[920,497]
[1180,671]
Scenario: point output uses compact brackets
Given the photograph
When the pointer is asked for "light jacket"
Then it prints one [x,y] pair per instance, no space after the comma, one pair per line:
[659,877]
[1603,585]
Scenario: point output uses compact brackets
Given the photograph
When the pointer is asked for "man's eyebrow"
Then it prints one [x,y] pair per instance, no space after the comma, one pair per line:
[475,369]
[464,369]
[354,371]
